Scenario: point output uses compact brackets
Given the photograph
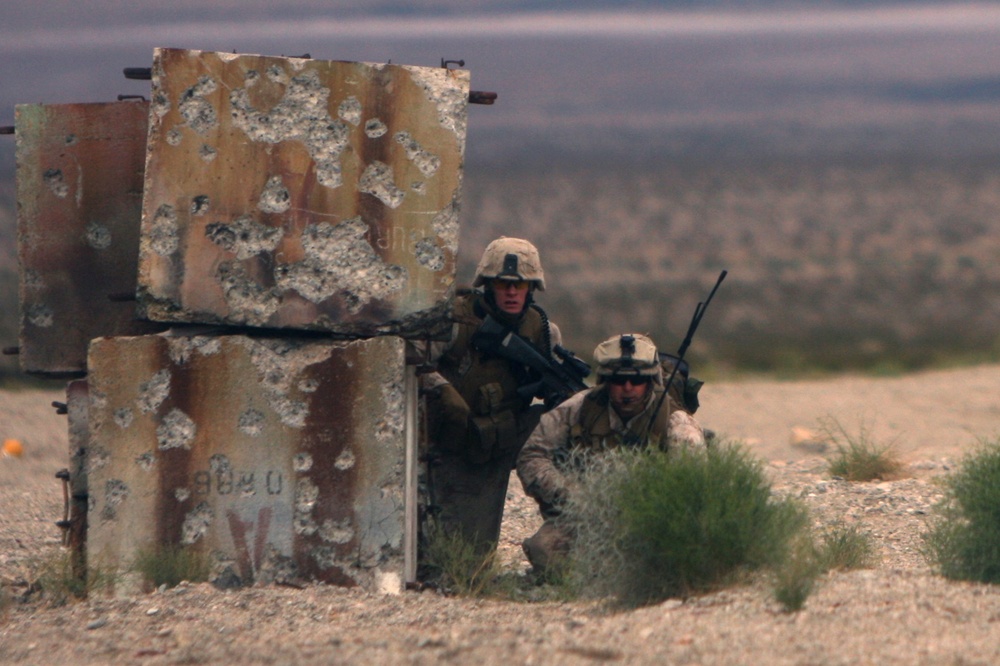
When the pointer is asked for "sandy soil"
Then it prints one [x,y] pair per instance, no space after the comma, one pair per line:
[895,613]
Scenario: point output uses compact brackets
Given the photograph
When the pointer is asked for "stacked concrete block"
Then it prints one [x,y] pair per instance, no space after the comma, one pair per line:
[317,200]
[277,459]
[79,194]
[301,194]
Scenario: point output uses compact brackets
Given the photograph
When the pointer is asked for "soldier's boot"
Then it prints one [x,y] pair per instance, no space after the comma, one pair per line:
[547,550]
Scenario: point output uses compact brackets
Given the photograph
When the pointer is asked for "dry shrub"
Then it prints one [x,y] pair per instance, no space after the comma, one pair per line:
[60,582]
[169,565]
[651,525]
[858,456]
[455,564]
[844,548]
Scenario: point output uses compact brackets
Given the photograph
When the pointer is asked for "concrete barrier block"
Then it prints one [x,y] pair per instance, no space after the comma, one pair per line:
[302,194]
[276,459]
[79,194]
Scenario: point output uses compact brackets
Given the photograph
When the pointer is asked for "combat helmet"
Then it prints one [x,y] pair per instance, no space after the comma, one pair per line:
[510,259]
[627,354]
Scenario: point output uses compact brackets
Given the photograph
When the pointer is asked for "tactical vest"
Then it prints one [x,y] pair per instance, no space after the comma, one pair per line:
[489,383]
[593,431]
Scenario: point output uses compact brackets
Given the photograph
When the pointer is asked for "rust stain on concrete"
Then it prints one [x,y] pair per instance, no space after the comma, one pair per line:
[294,193]
[278,458]
[79,192]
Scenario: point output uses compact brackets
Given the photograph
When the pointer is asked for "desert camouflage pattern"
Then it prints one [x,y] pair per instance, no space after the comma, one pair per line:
[559,446]
[684,431]
[473,395]
[615,356]
[571,428]
[510,259]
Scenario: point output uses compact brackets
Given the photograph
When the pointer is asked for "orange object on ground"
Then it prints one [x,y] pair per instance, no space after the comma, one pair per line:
[13,448]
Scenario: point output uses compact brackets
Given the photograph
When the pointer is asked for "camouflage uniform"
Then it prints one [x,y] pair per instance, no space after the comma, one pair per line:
[587,423]
[477,421]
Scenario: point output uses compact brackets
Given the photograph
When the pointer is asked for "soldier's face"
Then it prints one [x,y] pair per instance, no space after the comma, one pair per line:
[510,295]
[626,397]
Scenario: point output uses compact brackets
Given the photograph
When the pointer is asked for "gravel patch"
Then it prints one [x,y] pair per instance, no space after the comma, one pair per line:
[897,612]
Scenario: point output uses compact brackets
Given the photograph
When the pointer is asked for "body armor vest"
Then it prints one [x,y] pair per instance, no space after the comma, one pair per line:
[489,383]
[593,432]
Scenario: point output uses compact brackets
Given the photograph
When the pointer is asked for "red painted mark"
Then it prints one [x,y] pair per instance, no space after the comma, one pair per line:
[260,538]
[238,529]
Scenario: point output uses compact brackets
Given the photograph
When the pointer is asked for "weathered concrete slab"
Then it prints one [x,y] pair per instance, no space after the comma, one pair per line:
[278,459]
[77,409]
[79,195]
[306,194]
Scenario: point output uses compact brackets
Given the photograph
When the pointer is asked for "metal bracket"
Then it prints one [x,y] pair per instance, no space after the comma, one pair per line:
[64,524]
[482,97]
[139,73]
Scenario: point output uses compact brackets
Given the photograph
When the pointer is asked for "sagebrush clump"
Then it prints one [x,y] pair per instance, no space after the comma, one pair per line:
[963,542]
[651,525]
[838,547]
[859,457]
[845,547]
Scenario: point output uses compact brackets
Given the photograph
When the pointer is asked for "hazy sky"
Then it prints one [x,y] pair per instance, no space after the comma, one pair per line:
[60,32]
[568,76]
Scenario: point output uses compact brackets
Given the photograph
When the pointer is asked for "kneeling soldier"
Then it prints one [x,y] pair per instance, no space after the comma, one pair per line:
[624,409]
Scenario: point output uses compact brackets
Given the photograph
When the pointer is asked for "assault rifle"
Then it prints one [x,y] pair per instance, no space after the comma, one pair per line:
[558,379]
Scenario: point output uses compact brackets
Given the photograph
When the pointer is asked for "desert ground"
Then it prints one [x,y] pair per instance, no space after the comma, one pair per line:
[897,612]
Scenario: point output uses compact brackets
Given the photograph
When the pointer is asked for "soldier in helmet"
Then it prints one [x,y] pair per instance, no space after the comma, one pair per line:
[477,420]
[624,409]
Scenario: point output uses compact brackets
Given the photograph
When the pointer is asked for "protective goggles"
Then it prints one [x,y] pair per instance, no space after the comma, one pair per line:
[518,285]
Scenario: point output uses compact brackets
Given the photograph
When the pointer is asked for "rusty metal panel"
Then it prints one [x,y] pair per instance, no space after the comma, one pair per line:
[79,195]
[277,459]
[305,194]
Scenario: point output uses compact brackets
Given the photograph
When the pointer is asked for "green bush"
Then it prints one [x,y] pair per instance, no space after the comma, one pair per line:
[859,457]
[456,565]
[795,578]
[845,547]
[964,540]
[839,547]
[169,565]
[651,525]
[58,577]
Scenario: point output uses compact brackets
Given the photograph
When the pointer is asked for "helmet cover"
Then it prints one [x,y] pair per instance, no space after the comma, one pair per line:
[627,354]
[510,259]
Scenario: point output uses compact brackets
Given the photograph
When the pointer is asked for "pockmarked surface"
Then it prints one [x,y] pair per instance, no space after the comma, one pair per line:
[79,194]
[298,193]
[278,460]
